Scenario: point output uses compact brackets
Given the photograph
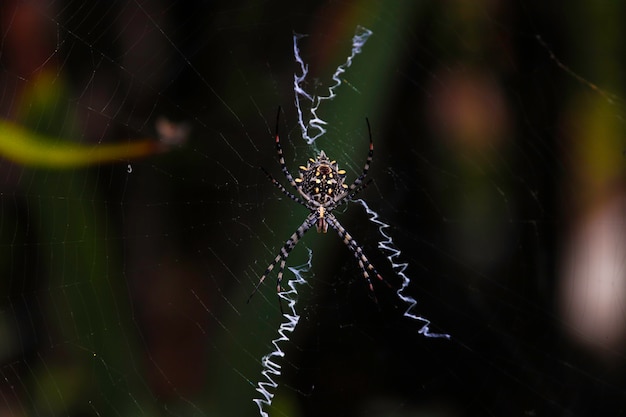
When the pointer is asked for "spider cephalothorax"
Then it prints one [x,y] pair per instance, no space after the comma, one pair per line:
[320,189]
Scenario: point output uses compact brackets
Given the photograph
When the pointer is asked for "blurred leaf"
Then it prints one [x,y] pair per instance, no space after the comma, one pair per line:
[29,148]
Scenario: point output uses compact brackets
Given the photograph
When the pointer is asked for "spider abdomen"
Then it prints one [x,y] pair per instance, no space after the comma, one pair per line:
[321,179]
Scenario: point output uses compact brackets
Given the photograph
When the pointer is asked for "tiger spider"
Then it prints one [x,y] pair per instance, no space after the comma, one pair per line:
[321,189]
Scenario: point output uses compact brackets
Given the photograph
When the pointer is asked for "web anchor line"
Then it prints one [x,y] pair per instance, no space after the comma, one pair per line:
[359,39]
[271,367]
[388,246]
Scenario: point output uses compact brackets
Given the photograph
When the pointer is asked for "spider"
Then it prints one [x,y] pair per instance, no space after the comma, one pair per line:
[321,189]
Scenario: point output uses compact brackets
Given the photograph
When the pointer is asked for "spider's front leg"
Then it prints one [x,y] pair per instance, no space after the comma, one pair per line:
[283,166]
[358,184]
[284,254]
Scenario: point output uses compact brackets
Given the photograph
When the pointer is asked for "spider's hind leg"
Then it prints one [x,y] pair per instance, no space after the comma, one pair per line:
[284,254]
[365,265]
[266,273]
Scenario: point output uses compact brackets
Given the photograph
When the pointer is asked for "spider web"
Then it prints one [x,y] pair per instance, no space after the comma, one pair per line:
[135,221]
[272,369]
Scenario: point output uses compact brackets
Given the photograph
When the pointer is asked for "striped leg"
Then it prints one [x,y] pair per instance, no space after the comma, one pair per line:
[283,165]
[347,198]
[356,185]
[366,267]
[284,253]
[282,189]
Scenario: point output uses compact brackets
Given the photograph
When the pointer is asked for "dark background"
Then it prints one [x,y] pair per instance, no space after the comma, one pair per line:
[499,168]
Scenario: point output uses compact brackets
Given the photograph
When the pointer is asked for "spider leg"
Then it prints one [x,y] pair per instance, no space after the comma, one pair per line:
[282,189]
[366,267]
[284,253]
[357,185]
[346,198]
[283,165]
